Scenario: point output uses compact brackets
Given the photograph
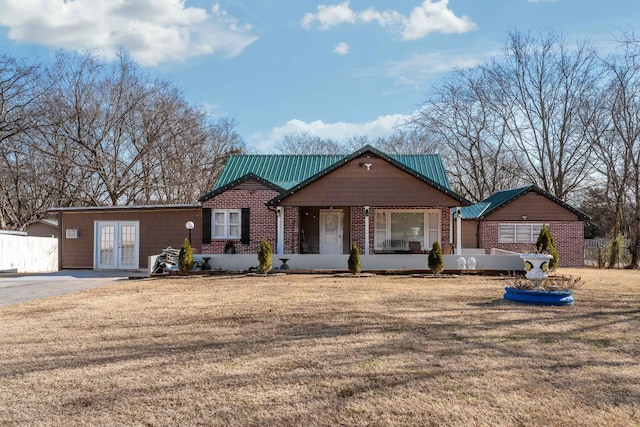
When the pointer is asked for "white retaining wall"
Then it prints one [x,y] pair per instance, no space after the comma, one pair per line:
[241,262]
[27,254]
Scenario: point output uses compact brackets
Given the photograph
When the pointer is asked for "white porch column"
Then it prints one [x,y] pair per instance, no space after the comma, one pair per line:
[279,230]
[458,230]
[366,230]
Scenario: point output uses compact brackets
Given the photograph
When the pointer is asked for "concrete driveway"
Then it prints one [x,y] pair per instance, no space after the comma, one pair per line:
[16,288]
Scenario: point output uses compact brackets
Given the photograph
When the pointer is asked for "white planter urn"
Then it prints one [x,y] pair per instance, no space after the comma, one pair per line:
[537,262]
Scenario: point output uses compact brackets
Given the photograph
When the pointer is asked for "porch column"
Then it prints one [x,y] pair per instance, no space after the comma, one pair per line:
[458,230]
[366,230]
[279,230]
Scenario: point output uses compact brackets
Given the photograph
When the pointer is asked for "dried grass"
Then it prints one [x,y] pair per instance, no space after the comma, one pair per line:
[319,350]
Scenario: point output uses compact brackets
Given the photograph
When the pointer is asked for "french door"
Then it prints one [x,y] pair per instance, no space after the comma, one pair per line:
[117,245]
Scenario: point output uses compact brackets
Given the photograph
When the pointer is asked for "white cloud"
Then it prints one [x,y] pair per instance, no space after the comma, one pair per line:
[434,16]
[329,16]
[152,31]
[430,16]
[341,49]
[338,131]
[420,67]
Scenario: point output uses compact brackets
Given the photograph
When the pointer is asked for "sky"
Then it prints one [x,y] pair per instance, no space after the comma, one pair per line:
[333,69]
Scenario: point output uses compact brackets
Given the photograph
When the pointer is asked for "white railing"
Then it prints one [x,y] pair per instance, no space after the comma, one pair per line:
[27,254]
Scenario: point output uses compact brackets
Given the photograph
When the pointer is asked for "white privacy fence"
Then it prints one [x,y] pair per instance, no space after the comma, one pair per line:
[27,254]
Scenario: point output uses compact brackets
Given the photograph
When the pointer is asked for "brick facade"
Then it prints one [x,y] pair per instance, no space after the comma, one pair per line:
[262,219]
[291,230]
[568,237]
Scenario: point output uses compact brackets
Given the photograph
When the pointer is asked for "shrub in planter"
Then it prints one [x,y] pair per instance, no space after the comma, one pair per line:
[353,263]
[545,245]
[185,258]
[265,260]
[436,264]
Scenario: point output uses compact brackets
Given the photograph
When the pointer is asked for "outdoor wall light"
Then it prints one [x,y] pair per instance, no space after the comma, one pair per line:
[189,226]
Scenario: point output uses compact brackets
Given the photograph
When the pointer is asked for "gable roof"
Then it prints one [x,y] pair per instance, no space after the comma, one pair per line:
[289,173]
[499,199]
[426,167]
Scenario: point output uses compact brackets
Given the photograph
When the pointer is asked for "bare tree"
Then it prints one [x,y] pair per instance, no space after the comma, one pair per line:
[543,84]
[471,136]
[125,138]
[616,133]
[305,143]
[19,88]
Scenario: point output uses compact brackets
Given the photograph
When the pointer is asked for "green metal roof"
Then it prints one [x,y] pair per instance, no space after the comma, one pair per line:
[287,171]
[501,198]
[474,211]
[427,165]
[284,171]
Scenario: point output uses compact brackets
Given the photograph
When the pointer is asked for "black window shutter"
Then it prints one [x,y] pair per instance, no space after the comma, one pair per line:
[206,225]
[245,219]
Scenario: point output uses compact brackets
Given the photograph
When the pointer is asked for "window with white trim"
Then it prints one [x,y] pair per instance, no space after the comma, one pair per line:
[226,223]
[519,233]
[413,225]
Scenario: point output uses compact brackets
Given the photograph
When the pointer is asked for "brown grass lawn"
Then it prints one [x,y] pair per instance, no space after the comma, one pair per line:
[320,350]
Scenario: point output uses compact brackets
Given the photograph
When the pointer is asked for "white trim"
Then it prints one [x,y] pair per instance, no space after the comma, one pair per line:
[506,236]
[226,224]
[458,230]
[426,242]
[118,262]
[279,230]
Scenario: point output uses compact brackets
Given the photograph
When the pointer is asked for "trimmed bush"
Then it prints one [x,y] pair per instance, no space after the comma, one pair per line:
[436,264]
[185,258]
[265,254]
[354,259]
[545,245]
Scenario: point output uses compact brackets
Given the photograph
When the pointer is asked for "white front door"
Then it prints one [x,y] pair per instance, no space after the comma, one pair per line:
[116,245]
[331,226]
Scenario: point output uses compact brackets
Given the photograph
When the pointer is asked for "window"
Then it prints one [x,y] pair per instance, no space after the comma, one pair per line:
[226,224]
[408,226]
[518,233]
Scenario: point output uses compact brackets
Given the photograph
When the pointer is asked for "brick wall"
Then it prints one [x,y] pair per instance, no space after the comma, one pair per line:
[568,237]
[357,228]
[262,219]
[291,230]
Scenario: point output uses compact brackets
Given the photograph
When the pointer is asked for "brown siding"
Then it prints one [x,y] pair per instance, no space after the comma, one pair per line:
[383,185]
[536,207]
[469,234]
[159,228]
[40,229]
